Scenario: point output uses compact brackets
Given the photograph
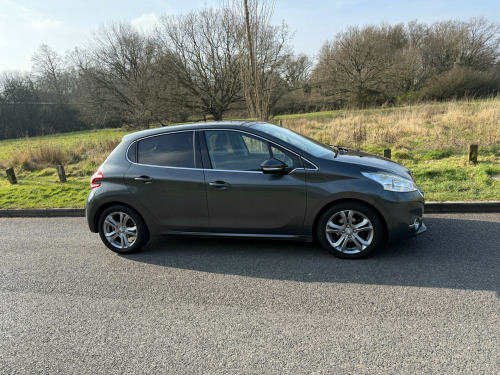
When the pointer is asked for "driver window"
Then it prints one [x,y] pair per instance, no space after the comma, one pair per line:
[282,156]
[235,151]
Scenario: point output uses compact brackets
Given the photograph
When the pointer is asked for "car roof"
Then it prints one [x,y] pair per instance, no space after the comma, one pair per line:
[193,126]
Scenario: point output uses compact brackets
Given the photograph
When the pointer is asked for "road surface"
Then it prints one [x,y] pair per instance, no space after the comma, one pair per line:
[428,305]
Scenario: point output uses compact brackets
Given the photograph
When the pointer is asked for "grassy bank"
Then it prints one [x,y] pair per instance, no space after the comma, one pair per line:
[430,139]
[34,160]
[414,129]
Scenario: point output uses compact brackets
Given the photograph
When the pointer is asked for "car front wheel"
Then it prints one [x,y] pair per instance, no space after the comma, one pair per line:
[350,230]
[122,229]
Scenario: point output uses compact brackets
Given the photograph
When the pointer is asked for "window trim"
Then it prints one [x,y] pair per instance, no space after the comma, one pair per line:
[201,147]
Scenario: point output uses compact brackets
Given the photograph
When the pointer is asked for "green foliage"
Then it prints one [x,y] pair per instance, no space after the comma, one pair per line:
[437,154]
[38,190]
[494,149]
[453,179]
[407,97]
[402,155]
[46,172]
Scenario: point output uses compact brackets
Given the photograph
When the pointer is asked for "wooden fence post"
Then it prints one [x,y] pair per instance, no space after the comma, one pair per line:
[11,176]
[387,153]
[61,173]
[473,151]
[281,122]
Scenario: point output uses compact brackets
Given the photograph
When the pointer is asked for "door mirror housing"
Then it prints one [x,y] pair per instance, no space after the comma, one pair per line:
[273,166]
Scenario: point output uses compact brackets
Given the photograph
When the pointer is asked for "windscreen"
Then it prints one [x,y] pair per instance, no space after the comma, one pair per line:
[302,142]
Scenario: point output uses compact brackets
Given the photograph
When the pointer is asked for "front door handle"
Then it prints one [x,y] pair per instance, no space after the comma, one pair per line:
[145,179]
[221,185]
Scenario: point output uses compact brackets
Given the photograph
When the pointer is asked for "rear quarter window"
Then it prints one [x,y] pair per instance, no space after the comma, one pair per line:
[132,152]
[167,150]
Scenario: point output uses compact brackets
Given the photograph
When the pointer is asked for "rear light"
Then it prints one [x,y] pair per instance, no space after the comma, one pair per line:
[95,181]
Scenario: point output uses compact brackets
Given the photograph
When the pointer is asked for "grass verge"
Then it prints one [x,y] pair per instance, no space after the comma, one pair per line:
[453,179]
[33,191]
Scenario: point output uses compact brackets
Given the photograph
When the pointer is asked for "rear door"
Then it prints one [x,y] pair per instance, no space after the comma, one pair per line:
[166,177]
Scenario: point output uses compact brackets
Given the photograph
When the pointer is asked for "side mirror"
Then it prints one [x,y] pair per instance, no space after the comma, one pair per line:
[273,166]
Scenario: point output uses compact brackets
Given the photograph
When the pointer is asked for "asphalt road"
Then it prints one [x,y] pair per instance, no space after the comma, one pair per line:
[428,305]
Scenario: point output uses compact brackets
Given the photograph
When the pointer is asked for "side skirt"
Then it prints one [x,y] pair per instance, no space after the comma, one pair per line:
[240,235]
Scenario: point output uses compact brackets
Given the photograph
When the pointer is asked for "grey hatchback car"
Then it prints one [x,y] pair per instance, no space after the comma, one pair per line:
[252,180]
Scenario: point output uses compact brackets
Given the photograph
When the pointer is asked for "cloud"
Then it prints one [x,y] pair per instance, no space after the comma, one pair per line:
[45,24]
[16,14]
[23,30]
[145,22]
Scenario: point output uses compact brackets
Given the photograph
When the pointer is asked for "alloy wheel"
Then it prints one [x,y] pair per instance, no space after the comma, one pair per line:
[120,230]
[349,231]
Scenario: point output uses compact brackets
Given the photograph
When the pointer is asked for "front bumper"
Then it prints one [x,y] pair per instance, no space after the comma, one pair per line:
[403,214]
[422,229]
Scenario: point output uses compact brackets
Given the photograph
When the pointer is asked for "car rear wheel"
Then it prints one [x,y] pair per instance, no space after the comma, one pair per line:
[350,230]
[122,229]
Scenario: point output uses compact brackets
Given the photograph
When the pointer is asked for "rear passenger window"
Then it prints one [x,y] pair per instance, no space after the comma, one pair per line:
[168,150]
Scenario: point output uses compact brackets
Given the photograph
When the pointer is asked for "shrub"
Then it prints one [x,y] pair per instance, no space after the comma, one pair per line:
[50,155]
[23,160]
[460,82]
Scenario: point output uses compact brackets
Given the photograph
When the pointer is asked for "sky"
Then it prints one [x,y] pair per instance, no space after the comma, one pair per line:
[66,24]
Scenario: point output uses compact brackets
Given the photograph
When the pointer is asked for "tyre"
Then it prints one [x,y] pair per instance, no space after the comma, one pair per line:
[122,229]
[350,230]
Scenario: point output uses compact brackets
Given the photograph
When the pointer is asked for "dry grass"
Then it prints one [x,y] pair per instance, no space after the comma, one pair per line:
[451,125]
[32,158]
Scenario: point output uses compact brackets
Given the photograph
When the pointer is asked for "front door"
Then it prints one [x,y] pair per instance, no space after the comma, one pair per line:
[241,198]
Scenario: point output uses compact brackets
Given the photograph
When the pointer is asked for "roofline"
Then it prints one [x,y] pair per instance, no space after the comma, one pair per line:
[190,126]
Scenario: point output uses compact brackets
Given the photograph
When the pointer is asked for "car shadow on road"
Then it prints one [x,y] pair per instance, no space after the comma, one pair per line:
[457,254]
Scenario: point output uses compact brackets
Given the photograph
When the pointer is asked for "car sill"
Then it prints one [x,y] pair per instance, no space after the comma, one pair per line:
[241,235]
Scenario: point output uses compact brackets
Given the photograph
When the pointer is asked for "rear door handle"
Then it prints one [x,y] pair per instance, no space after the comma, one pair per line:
[145,179]
[221,185]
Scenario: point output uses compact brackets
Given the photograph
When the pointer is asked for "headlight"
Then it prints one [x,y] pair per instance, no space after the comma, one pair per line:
[391,182]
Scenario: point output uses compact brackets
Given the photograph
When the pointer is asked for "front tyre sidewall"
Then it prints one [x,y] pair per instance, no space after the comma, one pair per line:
[126,221]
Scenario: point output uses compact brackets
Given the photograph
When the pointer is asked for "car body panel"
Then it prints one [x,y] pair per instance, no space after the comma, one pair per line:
[176,197]
[256,202]
[356,157]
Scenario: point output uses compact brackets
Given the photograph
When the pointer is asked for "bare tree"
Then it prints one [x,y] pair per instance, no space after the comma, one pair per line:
[264,50]
[203,58]
[117,73]
[297,71]
[55,81]
[406,70]
[354,67]
[473,44]
[50,72]
[376,64]
[292,95]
